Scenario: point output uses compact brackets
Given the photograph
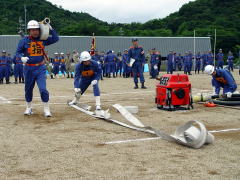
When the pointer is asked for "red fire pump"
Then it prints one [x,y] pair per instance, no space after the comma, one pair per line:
[173,92]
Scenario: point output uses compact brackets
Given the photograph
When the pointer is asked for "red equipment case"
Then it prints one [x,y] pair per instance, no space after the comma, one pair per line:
[174,92]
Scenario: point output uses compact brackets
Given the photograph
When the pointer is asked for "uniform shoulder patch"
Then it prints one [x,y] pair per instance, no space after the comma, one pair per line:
[131,47]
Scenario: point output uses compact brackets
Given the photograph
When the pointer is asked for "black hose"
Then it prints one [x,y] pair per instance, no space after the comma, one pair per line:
[234,101]
[233,95]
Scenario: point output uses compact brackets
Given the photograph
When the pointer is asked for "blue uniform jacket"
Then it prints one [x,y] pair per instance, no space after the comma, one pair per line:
[4,60]
[219,56]
[83,72]
[110,58]
[125,58]
[154,59]
[33,50]
[223,78]
[96,58]
[136,53]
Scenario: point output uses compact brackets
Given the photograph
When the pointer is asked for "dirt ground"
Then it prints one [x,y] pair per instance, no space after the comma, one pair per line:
[67,146]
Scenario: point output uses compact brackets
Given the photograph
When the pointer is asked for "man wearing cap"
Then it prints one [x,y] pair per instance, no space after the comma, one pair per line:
[126,68]
[68,65]
[170,62]
[204,60]
[87,72]
[56,64]
[154,64]
[18,69]
[98,58]
[230,59]
[219,59]
[119,64]
[198,63]
[110,63]
[136,57]
[62,64]
[31,51]
[179,60]
[4,68]
[210,58]
[10,63]
[222,78]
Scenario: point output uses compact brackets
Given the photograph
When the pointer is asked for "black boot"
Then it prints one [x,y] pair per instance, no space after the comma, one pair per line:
[68,75]
[143,87]
[20,80]
[136,86]
[23,80]
[71,75]
[1,81]
[17,81]
[7,81]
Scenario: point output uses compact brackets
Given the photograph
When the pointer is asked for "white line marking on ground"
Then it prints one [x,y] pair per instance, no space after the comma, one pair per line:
[156,138]
[224,130]
[80,102]
[103,94]
[4,100]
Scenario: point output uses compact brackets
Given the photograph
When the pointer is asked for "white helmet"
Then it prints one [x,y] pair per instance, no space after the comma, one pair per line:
[33,25]
[85,56]
[62,53]
[209,69]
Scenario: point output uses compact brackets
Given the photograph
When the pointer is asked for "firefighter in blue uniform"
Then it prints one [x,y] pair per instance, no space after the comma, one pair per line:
[154,64]
[137,56]
[198,63]
[63,68]
[18,69]
[204,60]
[126,68]
[219,59]
[4,68]
[56,63]
[210,58]
[10,62]
[230,59]
[188,62]
[32,49]
[87,72]
[110,63]
[170,62]
[99,59]
[119,64]
[222,78]
[179,60]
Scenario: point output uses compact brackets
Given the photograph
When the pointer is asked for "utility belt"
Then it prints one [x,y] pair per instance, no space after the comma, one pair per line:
[2,64]
[33,65]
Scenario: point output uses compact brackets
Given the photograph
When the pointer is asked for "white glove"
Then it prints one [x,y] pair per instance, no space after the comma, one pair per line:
[24,59]
[155,67]
[94,82]
[229,94]
[77,90]
[50,27]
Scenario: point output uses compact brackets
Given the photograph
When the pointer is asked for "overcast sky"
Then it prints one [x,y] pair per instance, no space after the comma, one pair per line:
[123,11]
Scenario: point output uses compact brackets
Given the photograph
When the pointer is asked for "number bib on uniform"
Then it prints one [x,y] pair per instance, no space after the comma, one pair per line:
[88,73]
[221,80]
[35,48]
